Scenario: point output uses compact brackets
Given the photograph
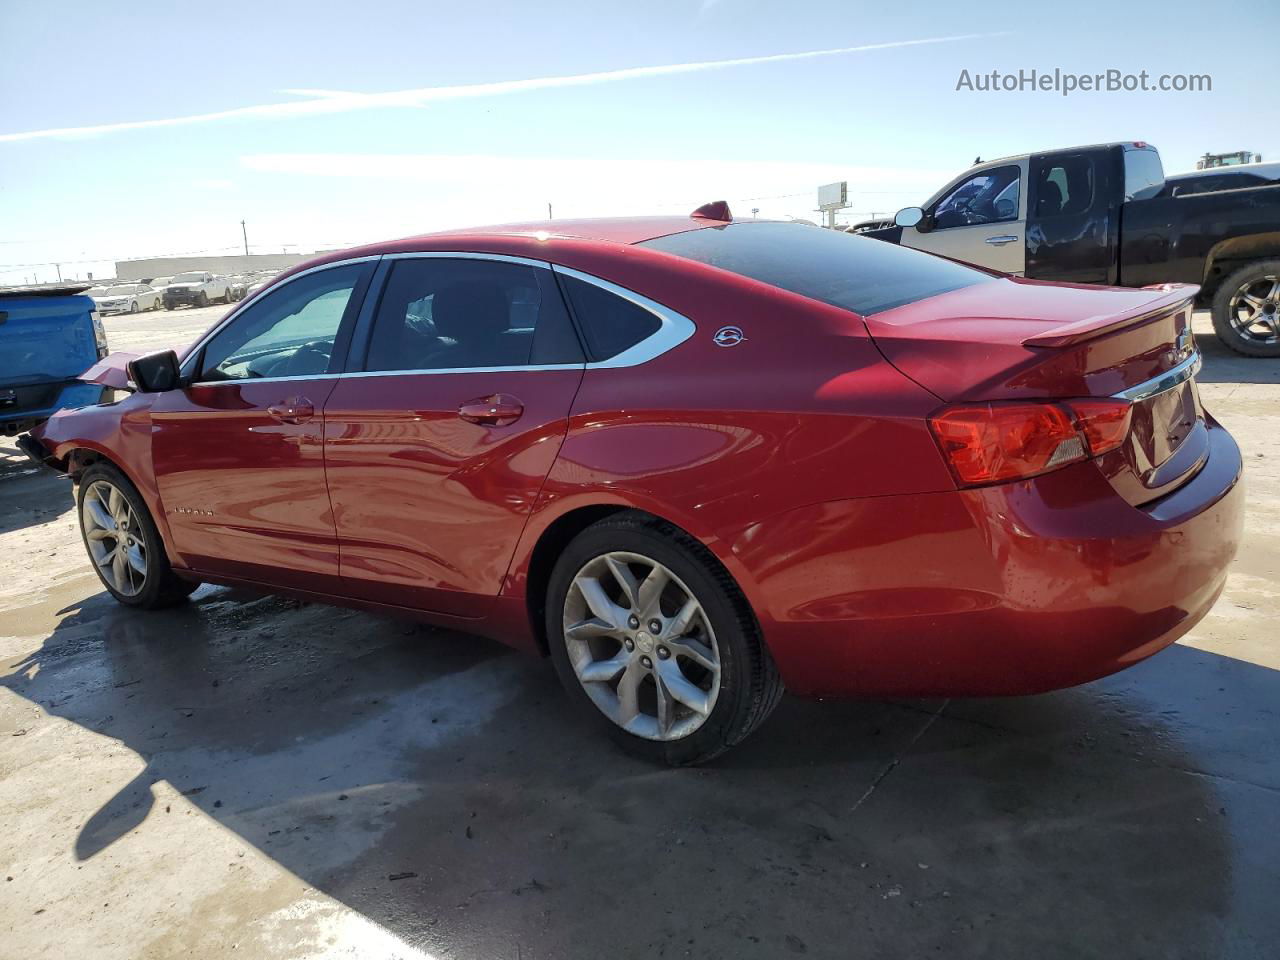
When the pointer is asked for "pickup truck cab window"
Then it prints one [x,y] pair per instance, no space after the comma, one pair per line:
[291,332]
[1143,173]
[987,197]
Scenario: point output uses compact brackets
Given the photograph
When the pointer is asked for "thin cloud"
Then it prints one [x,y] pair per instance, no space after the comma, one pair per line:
[330,102]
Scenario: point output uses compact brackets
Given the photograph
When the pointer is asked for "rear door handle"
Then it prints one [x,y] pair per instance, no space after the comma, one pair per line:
[293,410]
[1000,241]
[496,410]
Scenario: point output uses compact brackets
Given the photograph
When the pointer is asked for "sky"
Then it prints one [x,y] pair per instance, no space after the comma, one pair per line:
[153,128]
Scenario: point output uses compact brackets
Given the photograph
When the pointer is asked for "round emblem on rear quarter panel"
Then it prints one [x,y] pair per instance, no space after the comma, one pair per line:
[729,336]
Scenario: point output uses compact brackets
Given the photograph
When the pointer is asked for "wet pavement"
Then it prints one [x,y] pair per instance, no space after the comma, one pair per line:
[293,780]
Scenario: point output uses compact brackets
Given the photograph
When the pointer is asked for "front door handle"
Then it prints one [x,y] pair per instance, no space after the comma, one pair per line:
[293,410]
[1000,241]
[496,410]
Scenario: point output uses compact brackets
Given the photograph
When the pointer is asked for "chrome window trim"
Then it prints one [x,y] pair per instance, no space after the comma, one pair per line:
[466,255]
[1171,378]
[676,328]
[249,301]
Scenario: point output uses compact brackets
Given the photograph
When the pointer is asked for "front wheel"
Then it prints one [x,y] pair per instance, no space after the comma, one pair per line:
[649,633]
[202,300]
[133,306]
[123,542]
[1246,310]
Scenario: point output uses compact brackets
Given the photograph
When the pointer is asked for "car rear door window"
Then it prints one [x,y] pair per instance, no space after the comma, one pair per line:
[856,273]
[291,332]
[445,313]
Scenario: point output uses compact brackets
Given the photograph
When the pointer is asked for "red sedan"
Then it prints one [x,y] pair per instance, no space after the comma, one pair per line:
[691,459]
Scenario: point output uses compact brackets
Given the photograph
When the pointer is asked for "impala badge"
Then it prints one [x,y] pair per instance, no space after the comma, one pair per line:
[729,336]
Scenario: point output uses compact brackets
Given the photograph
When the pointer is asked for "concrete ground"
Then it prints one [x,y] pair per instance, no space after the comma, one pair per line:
[285,780]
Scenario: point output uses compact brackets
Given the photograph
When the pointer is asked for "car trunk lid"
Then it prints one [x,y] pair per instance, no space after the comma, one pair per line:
[1015,339]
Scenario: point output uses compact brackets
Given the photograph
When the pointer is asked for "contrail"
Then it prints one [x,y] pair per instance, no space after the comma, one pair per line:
[330,101]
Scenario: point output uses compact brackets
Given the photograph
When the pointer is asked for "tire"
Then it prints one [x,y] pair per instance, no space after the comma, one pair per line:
[202,300]
[133,306]
[1253,338]
[735,699]
[156,586]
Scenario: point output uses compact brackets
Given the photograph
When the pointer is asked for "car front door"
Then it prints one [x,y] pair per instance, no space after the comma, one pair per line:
[980,219]
[238,451]
[437,448]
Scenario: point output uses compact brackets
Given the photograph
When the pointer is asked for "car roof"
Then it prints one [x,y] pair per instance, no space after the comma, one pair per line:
[608,229]
[535,239]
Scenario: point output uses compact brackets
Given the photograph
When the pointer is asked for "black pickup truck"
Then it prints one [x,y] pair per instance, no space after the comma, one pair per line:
[1096,215]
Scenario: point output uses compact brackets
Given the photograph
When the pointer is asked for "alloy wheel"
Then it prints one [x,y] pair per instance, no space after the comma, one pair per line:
[1254,310]
[642,646]
[114,536]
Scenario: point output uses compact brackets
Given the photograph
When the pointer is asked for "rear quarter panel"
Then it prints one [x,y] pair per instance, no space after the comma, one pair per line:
[715,439]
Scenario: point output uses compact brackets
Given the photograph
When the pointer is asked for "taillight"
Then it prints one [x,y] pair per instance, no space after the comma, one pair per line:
[1104,423]
[993,442]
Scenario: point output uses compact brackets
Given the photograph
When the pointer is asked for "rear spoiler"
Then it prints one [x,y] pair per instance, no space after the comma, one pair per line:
[111,371]
[1175,297]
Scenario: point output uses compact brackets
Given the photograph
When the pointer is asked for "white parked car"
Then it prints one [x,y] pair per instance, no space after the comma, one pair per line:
[197,288]
[126,298]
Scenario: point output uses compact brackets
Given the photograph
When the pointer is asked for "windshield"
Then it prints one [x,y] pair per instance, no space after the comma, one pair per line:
[857,273]
[188,278]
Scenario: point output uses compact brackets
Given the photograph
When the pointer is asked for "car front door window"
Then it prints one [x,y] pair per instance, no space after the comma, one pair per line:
[290,333]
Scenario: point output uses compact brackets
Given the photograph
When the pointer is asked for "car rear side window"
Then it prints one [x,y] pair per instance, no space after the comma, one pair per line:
[609,323]
[442,313]
[860,274]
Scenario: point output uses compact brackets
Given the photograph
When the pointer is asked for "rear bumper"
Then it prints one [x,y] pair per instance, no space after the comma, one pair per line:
[1012,589]
[16,421]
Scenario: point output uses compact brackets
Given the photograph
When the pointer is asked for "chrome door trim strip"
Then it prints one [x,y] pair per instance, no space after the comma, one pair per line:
[1171,378]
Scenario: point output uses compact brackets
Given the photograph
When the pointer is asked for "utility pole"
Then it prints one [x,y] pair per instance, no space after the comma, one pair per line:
[244,234]
[59,266]
[548,211]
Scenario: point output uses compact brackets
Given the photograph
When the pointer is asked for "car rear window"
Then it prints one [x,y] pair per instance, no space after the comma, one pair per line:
[856,273]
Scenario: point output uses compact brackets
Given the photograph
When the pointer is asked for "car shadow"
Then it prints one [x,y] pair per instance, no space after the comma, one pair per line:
[445,789]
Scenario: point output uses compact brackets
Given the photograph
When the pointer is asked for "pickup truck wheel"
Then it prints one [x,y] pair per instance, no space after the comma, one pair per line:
[123,543]
[202,300]
[650,636]
[1246,310]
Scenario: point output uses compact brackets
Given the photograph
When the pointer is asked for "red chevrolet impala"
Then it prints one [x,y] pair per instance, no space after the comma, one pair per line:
[691,459]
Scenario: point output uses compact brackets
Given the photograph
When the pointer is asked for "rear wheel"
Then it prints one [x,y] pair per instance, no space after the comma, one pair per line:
[123,542]
[1246,310]
[649,633]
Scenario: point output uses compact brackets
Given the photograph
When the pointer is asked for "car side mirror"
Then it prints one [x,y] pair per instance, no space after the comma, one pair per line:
[911,217]
[156,372]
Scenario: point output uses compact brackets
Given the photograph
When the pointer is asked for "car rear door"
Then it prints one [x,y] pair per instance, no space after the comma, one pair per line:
[238,452]
[438,443]
[979,219]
